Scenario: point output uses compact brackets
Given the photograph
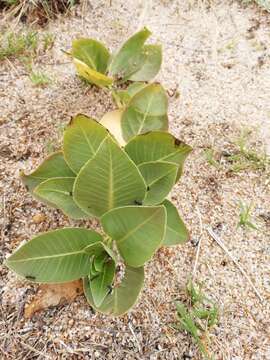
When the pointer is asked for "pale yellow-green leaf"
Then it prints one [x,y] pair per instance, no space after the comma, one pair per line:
[92,76]
[112,122]
[91,52]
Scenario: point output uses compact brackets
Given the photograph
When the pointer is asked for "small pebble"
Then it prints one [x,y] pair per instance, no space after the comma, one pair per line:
[39,218]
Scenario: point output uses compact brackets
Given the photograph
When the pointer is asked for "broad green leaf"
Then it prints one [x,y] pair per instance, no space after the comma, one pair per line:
[82,139]
[158,146]
[54,257]
[91,52]
[146,111]
[123,297]
[176,231]
[58,191]
[53,166]
[92,76]
[101,284]
[160,178]
[152,64]
[134,123]
[150,100]
[108,180]
[112,122]
[130,58]
[137,230]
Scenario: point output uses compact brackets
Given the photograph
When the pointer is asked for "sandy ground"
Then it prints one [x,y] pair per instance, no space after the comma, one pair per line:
[218,56]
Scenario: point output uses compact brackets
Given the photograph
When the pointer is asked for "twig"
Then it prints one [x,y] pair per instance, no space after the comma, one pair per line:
[32,349]
[199,243]
[224,248]
[135,337]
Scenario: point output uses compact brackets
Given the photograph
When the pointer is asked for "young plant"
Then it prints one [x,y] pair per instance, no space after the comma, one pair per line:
[39,78]
[197,317]
[18,45]
[135,61]
[210,157]
[123,183]
[245,217]
[246,158]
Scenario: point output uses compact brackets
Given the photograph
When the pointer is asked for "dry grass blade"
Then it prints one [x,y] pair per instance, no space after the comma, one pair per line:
[224,248]
[199,243]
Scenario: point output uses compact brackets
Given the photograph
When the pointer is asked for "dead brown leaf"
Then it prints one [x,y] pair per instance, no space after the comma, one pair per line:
[52,295]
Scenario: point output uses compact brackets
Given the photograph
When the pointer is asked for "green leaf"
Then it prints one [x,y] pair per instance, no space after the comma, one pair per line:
[123,297]
[158,146]
[176,231]
[160,178]
[91,52]
[122,97]
[152,64]
[150,100]
[54,257]
[92,76]
[53,166]
[93,272]
[137,230]
[101,284]
[82,139]
[134,88]
[112,121]
[131,57]
[99,261]
[146,111]
[108,180]
[98,248]
[58,191]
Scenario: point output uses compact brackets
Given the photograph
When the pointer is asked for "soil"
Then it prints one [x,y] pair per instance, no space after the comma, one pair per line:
[217,56]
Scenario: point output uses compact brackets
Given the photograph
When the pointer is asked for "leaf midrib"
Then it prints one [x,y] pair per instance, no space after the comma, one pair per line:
[48,256]
[87,140]
[111,183]
[162,176]
[132,231]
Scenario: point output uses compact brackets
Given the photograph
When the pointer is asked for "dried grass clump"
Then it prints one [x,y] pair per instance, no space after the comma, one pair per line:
[36,11]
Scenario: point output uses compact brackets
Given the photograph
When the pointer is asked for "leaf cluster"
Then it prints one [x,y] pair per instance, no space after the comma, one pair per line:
[120,176]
